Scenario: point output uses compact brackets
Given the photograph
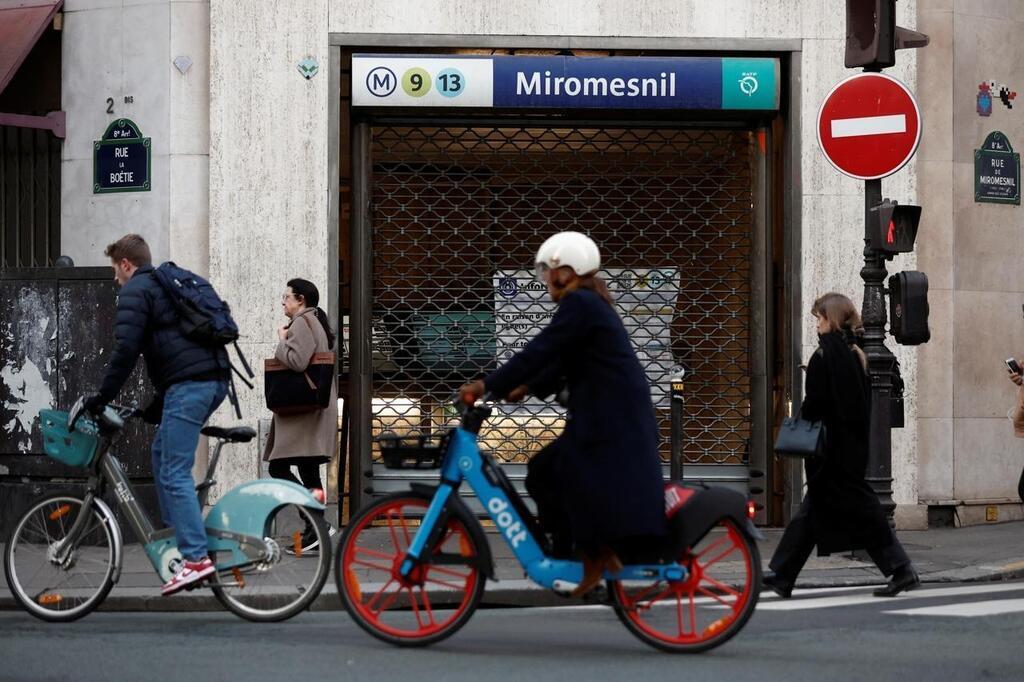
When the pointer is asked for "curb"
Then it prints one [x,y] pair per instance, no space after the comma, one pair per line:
[522,593]
[497,595]
[519,593]
[977,574]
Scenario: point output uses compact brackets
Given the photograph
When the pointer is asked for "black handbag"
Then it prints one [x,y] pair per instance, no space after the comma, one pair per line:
[800,438]
[291,392]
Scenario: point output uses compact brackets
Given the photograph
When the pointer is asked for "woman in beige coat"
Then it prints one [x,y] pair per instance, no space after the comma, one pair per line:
[304,441]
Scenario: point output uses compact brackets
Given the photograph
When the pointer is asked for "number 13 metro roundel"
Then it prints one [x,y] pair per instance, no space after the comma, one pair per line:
[869,126]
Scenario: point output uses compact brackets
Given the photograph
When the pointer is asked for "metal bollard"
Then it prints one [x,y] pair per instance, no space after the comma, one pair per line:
[676,433]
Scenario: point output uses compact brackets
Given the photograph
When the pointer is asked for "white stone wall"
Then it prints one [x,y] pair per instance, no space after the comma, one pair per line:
[125,48]
[611,18]
[268,174]
[973,256]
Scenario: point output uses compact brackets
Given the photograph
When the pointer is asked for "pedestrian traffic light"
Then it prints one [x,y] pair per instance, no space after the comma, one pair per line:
[908,308]
[893,227]
[872,36]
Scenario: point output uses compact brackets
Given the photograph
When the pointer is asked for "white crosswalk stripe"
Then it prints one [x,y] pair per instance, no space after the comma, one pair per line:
[819,591]
[971,591]
[966,609]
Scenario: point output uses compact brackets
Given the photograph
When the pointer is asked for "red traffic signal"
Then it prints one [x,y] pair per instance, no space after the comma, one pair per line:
[872,36]
[893,228]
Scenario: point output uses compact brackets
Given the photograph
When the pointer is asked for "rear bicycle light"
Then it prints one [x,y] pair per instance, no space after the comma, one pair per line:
[751,509]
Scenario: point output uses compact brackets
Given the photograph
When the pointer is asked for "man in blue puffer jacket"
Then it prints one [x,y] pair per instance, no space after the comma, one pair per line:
[191,382]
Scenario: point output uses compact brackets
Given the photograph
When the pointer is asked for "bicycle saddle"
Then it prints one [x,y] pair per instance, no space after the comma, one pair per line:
[235,434]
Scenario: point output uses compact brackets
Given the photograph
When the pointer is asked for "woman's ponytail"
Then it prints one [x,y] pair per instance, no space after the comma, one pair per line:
[595,283]
[322,316]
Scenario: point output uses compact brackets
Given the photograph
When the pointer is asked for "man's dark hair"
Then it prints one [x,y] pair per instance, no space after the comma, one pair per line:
[131,246]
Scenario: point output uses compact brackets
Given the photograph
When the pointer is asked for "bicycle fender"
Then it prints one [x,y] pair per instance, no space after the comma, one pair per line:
[702,511]
[456,507]
[754,532]
[245,508]
[115,531]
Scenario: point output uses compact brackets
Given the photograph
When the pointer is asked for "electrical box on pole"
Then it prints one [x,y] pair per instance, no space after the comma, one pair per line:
[908,308]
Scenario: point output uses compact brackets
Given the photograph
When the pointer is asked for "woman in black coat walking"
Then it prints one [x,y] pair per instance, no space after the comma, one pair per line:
[840,511]
[599,484]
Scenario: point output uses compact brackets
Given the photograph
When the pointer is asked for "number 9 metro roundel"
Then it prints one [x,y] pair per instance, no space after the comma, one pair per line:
[869,126]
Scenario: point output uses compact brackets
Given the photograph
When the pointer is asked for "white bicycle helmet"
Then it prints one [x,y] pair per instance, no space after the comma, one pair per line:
[569,249]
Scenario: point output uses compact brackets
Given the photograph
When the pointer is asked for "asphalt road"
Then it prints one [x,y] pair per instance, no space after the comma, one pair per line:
[946,632]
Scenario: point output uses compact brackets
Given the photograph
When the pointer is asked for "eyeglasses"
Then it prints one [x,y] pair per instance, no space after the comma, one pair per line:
[285,297]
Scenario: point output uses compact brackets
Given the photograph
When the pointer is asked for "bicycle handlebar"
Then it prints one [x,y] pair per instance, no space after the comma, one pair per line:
[111,417]
[473,416]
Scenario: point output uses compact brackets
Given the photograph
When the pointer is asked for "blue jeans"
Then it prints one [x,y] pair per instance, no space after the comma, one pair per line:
[187,406]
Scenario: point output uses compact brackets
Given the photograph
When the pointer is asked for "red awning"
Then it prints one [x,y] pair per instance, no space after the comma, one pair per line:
[21,24]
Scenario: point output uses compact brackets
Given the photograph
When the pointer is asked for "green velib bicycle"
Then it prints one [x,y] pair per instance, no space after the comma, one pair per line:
[64,554]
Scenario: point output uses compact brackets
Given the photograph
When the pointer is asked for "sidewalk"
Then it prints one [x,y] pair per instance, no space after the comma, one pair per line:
[976,553]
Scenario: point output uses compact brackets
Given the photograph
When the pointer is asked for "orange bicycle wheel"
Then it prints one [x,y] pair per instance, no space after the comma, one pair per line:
[434,600]
[705,609]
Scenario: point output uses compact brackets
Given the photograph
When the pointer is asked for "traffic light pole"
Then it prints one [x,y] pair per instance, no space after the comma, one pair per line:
[881,361]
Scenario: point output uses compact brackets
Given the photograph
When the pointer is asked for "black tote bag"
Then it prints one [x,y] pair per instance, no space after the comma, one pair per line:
[291,392]
[800,438]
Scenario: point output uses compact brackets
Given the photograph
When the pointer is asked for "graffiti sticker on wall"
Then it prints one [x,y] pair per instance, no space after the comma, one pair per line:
[990,90]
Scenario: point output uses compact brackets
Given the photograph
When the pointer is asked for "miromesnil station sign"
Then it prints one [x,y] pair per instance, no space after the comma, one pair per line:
[708,83]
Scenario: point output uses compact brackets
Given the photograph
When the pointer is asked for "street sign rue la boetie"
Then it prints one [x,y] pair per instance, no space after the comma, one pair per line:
[121,159]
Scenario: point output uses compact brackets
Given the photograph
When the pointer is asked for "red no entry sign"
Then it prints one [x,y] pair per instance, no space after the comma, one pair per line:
[869,126]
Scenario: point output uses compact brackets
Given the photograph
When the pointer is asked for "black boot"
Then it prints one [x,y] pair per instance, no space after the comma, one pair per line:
[777,584]
[903,579]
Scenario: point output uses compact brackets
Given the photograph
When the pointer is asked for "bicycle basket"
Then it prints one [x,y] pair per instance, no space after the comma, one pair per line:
[75,448]
[413,452]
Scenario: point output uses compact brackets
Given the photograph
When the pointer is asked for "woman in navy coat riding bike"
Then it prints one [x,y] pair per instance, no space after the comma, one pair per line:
[600,482]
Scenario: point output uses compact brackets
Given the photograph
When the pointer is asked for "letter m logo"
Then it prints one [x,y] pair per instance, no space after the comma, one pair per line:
[381,81]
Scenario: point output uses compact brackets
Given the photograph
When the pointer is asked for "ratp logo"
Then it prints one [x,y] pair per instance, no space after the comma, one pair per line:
[508,287]
[381,81]
[748,84]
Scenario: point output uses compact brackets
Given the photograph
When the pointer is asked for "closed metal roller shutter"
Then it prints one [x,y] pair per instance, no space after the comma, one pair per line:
[456,214]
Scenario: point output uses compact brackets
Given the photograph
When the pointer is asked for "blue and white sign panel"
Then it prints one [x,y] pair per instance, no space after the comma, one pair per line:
[709,83]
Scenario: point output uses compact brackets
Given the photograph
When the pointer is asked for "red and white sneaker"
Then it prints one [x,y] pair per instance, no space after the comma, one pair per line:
[191,572]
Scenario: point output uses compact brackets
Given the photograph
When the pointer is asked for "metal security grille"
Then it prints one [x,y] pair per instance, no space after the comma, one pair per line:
[456,215]
[29,197]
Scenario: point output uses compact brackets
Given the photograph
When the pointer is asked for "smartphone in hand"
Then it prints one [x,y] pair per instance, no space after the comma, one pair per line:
[1014,366]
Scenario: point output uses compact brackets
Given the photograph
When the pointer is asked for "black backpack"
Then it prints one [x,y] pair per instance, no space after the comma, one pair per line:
[203,317]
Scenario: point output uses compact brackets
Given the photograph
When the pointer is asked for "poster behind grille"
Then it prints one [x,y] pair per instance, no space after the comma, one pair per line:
[645,299]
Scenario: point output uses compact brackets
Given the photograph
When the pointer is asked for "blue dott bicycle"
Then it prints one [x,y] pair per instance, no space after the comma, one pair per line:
[411,566]
[64,554]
